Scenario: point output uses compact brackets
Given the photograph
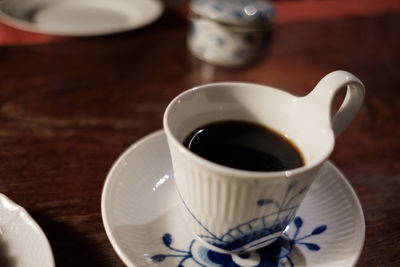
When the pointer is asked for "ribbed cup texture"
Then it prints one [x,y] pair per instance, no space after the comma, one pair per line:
[236,213]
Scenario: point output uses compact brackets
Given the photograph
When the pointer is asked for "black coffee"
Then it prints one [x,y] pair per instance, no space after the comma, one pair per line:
[244,145]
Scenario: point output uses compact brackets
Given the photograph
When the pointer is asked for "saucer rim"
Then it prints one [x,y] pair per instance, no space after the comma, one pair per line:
[24,25]
[105,220]
[32,224]
[358,206]
[127,261]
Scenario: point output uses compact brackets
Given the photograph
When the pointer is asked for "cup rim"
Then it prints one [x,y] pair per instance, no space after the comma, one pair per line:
[229,171]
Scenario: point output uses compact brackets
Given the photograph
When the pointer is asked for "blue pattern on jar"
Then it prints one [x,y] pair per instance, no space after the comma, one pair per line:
[220,41]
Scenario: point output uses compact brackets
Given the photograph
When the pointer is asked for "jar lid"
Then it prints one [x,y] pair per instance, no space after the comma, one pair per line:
[238,12]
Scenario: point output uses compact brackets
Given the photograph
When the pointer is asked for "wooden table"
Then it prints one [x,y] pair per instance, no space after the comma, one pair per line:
[69,107]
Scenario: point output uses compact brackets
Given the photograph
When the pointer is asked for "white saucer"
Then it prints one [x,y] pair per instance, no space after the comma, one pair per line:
[79,18]
[22,241]
[142,221]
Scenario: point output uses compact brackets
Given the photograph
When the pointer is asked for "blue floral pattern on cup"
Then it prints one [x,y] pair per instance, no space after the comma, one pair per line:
[275,255]
[258,231]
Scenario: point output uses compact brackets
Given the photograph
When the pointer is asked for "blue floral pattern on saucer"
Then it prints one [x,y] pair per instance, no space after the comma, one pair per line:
[275,255]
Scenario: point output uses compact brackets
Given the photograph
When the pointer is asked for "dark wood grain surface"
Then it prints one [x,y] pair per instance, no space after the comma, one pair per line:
[69,107]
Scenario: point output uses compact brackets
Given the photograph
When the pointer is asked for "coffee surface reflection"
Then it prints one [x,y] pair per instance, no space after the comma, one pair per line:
[244,145]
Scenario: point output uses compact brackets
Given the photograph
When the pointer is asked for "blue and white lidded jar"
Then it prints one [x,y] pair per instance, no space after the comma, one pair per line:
[231,33]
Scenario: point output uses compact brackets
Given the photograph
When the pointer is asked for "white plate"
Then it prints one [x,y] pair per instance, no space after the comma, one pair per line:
[22,241]
[79,18]
[142,221]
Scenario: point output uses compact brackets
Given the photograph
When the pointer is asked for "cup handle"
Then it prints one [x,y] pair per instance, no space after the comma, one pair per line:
[324,92]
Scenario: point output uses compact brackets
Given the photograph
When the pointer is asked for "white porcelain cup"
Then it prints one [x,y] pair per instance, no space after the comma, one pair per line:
[237,210]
